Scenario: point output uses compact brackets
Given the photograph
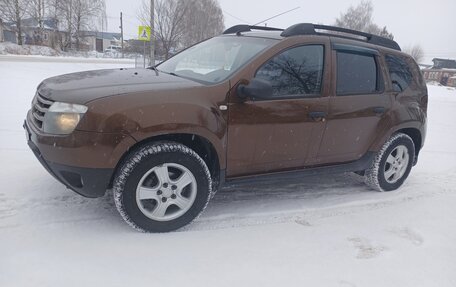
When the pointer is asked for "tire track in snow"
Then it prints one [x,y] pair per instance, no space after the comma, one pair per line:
[298,217]
[308,215]
[74,208]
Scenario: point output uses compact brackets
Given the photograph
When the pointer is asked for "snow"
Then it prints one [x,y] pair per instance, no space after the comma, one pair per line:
[320,231]
[11,48]
[8,48]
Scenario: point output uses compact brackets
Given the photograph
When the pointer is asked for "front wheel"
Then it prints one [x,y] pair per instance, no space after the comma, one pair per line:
[392,165]
[162,187]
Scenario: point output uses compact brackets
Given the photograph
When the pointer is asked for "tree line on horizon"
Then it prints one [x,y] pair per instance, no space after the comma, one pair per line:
[178,23]
[360,17]
[72,16]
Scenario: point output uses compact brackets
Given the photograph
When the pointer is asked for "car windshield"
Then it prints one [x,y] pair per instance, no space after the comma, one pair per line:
[216,59]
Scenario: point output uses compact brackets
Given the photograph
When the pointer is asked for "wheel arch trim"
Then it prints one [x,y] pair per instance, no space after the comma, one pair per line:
[211,153]
[414,129]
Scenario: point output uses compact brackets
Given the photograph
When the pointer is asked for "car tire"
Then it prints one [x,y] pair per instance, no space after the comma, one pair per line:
[162,187]
[392,164]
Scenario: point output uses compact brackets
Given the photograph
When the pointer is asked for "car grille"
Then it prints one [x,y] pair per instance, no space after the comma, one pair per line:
[40,106]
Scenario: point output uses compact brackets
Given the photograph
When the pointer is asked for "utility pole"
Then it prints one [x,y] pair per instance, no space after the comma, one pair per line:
[70,29]
[152,33]
[121,33]
[102,35]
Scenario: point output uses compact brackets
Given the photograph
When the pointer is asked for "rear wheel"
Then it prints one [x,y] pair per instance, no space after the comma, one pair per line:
[162,187]
[392,165]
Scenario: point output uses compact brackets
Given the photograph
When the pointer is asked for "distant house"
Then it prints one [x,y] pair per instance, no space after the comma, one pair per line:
[442,71]
[452,82]
[7,33]
[99,41]
[45,33]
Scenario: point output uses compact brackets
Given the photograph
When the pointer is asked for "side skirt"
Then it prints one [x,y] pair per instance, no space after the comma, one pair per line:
[360,165]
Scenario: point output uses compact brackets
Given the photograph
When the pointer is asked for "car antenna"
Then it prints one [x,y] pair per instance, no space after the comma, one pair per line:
[283,13]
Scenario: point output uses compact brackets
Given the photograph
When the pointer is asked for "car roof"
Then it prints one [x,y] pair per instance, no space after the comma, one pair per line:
[335,38]
[307,29]
[263,34]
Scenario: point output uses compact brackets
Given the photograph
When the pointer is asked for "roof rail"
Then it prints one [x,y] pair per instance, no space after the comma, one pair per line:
[310,29]
[247,28]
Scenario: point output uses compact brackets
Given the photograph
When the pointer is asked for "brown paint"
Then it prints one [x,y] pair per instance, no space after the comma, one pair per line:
[252,137]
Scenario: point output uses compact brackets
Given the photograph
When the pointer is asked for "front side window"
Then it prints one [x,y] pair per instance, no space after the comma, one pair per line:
[356,73]
[399,71]
[295,72]
[214,60]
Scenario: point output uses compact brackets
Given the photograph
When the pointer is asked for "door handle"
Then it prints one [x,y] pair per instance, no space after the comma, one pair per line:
[318,116]
[379,110]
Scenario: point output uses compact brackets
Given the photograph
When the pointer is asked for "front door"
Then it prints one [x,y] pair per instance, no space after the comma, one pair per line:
[281,132]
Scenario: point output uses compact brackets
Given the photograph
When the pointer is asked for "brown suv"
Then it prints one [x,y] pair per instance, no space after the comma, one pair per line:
[255,102]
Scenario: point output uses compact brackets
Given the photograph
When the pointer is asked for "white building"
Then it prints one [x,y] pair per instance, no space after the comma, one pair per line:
[100,41]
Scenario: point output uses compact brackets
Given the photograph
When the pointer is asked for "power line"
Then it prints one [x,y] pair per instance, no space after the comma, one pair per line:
[130,16]
[131,22]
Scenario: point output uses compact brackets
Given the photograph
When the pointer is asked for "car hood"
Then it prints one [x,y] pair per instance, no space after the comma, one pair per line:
[83,87]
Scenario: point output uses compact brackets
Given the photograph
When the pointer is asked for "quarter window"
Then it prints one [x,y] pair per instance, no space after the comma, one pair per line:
[399,71]
[356,73]
[295,72]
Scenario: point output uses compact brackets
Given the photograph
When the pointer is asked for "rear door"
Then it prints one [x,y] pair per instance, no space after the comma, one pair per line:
[357,106]
[282,132]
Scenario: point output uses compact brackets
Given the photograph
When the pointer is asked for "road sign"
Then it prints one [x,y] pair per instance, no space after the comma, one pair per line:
[144,33]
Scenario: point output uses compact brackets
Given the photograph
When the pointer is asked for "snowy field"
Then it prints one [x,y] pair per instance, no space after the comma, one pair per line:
[320,231]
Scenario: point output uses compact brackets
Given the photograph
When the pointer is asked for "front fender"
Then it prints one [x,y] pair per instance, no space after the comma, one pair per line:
[144,116]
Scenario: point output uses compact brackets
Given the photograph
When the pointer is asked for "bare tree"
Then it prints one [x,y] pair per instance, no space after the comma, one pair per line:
[360,18]
[357,18]
[64,8]
[169,22]
[79,15]
[416,52]
[54,12]
[203,20]
[38,11]
[14,11]
[181,23]
[85,15]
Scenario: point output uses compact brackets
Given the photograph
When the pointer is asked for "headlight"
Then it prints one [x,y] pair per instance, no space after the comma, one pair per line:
[62,118]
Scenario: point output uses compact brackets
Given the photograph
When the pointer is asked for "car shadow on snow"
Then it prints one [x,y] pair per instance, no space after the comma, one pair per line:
[283,195]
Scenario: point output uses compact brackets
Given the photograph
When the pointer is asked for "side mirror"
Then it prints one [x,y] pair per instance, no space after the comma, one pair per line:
[256,89]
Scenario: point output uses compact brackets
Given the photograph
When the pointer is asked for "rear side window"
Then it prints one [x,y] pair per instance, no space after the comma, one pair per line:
[356,73]
[400,73]
[295,72]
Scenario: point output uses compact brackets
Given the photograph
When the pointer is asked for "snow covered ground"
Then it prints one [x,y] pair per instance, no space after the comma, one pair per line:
[8,48]
[321,231]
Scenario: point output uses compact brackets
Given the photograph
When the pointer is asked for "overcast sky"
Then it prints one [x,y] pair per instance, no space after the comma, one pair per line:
[430,23]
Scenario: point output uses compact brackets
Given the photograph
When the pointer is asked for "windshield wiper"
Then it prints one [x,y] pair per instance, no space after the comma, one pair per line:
[155,69]
[172,74]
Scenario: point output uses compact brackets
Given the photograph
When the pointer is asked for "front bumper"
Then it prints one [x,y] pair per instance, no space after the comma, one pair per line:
[88,182]
[80,166]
